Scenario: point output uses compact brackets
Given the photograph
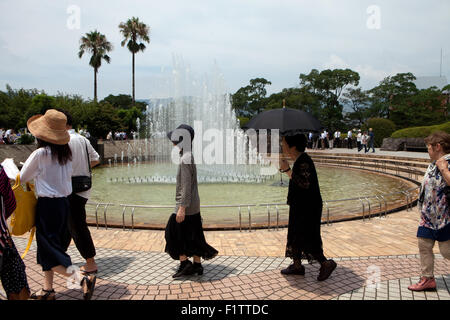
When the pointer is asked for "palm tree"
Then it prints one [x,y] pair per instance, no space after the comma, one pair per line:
[95,43]
[133,31]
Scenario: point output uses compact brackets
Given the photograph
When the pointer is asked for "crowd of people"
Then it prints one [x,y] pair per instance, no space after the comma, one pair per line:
[329,140]
[62,155]
[9,136]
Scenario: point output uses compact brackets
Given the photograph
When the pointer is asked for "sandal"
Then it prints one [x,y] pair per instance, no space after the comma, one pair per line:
[48,295]
[88,285]
[87,273]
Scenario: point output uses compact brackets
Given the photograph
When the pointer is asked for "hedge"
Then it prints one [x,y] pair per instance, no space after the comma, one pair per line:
[421,132]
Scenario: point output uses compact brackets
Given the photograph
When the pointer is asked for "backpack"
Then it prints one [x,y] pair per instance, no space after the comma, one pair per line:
[23,218]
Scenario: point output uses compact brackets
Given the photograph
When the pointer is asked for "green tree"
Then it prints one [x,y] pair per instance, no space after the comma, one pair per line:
[14,105]
[358,101]
[295,98]
[134,31]
[420,109]
[391,92]
[95,43]
[127,118]
[250,100]
[446,95]
[98,118]
[382,128]
[327,86]
[40,104]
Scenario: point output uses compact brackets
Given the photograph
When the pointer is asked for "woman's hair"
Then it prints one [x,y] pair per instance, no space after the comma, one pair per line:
[298,141]
[440,137]
[60,153]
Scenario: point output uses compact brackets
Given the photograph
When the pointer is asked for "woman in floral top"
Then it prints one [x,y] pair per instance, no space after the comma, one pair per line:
[434,209]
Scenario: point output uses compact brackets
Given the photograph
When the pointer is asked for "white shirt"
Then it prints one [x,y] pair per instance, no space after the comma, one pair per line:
[349,134]
[51,179]
[358,137]
[80,166]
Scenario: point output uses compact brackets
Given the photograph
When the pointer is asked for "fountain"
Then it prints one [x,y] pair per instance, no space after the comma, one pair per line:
[230,169]
[222,151]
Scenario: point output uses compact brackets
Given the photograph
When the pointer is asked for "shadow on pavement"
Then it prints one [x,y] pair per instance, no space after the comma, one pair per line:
[342,280]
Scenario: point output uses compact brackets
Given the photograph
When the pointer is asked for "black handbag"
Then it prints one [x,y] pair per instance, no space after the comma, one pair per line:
[83,183]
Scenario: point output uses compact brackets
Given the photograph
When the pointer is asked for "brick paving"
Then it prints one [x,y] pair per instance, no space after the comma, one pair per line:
[146,275]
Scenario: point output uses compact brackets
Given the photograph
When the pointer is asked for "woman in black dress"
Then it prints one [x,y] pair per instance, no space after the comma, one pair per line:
[184,232]
[305,209]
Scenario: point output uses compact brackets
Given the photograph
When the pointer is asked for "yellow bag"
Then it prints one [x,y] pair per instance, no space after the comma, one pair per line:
[23,218]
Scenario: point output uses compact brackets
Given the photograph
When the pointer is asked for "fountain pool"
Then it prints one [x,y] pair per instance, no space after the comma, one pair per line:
[134,185]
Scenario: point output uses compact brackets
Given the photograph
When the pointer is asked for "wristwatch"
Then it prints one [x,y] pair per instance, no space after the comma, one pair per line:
[284,171]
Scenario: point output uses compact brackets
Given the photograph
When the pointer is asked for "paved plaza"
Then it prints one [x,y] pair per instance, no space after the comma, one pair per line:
[377,260]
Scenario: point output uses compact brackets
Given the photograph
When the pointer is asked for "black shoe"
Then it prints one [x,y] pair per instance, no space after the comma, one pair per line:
[196,269]
[294,270]
[326,269]
[183,269]
[44,295]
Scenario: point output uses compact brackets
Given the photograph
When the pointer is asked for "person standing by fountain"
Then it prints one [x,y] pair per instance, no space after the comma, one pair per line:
[184,232]
[433,204]
[82,152]
[305,210]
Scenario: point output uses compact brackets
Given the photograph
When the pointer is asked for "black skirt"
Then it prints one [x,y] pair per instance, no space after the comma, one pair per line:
[187,238]
[303,239]
[52,232]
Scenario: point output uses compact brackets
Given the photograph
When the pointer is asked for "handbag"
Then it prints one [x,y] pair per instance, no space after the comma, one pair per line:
[83,183]
[23,218]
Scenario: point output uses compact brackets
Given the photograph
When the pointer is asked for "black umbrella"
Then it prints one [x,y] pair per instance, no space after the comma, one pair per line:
[288,121]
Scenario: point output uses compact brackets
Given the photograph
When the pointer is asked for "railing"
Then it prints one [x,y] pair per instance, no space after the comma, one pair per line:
[366,206]
[134,206]
[406,170]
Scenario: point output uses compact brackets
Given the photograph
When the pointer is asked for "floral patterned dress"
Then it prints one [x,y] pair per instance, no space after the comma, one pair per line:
[433,205]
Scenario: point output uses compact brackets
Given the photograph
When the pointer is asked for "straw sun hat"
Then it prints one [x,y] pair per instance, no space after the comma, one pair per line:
[50,127]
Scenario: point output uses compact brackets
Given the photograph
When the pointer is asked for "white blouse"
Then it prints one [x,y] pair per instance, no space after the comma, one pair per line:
[51,179]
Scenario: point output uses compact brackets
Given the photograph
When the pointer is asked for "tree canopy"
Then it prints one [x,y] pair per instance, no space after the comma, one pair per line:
[333,96]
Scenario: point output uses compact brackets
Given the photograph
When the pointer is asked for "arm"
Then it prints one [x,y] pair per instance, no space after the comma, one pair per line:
[442,165]
[94,163]
[94,157]
[186,192]
[30,169]
[8,196]
[284,165]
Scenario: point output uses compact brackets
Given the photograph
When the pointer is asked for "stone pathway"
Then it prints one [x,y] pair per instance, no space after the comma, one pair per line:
[146,274]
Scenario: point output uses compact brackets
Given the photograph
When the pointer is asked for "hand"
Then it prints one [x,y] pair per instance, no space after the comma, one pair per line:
[181,214]
[442,165]
[284,164]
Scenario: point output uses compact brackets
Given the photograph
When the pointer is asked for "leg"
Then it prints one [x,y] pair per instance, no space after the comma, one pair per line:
[184,268]
[295,268]
[427,281]
[426,257]
[326,266]
[197,266]
[444,248]
[48,280]
[80,232]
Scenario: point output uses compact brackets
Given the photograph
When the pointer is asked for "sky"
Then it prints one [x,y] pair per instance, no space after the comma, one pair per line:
[243,39]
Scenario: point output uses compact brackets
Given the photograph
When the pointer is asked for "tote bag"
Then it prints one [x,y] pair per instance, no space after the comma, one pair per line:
[23,218]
